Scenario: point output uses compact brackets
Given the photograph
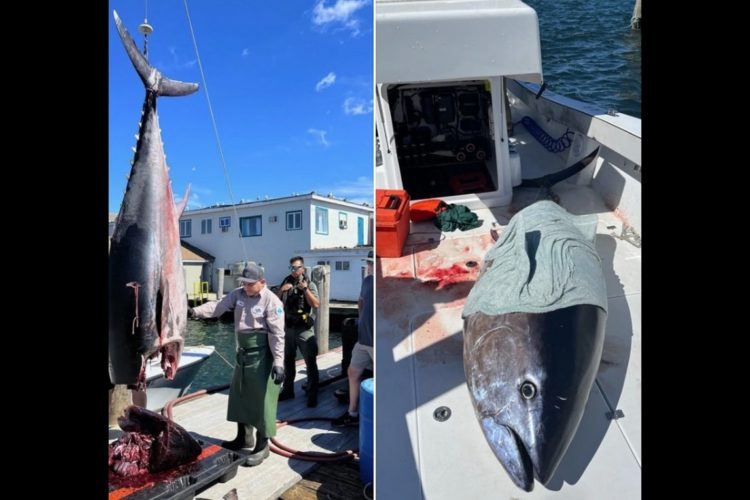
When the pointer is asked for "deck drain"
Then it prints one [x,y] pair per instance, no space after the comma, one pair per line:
[442,413]
[471,263]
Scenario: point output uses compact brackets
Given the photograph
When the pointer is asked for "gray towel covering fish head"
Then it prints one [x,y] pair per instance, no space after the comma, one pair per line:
[545,260]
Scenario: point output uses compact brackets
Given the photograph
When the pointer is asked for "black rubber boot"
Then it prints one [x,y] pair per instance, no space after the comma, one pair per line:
[244,439]
[312,398]
[260,452]
[286,393]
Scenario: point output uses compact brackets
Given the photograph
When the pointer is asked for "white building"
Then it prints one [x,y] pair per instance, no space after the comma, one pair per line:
[197,265]
[347,269]
[320,228]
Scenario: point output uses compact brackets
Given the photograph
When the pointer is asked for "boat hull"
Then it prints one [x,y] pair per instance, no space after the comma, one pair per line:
[160,390]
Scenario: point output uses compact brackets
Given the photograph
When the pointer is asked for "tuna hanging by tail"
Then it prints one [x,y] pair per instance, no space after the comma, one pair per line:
[147,298]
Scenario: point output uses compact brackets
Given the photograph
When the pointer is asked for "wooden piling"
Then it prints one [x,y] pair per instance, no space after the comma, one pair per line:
[220,289]
[635,21]
[321,276]
[118,401]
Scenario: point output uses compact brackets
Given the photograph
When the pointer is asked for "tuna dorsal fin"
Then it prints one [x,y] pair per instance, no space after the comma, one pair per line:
[150,76]
[182,204]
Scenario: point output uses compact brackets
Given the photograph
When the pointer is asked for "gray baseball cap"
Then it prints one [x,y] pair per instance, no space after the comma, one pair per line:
[252,273]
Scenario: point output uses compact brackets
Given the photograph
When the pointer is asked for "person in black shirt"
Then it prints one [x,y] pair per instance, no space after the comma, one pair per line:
[299,296]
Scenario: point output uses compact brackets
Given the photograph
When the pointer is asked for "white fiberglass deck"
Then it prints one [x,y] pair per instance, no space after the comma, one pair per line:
[420,297]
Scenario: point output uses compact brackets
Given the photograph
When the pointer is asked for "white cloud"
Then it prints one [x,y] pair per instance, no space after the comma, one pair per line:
[341,12]
[356,191]
[245,52]
[357,106]
[193,201]
[178,62]
[326,82]
[320,135]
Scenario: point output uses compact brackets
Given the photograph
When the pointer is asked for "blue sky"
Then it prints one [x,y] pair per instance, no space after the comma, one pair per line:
[290,84]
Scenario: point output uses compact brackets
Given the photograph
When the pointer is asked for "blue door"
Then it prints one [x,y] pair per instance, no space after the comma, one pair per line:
[360,231]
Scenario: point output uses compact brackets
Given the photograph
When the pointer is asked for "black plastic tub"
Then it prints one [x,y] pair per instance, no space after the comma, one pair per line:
[213,464]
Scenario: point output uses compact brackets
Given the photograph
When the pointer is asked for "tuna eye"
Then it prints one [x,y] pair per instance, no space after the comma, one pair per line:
[528,390]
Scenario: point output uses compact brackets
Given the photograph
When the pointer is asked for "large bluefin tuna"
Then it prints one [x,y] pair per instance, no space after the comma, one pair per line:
[147,299]
[533,337]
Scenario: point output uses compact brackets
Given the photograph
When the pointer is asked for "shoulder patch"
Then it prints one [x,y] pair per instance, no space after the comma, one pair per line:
[279,311]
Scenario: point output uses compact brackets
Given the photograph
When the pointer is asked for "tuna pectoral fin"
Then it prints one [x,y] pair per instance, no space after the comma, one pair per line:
[509,449]
[150,76]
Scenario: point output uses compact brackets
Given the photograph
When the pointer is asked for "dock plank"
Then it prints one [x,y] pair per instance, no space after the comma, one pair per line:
[331,481]
[206,416]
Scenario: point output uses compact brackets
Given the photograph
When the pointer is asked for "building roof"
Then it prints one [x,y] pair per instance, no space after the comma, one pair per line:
[192,252]
[338,250]
[285,199]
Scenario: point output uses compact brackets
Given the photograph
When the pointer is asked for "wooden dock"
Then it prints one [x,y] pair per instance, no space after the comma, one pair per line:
[331,481]
[206,418]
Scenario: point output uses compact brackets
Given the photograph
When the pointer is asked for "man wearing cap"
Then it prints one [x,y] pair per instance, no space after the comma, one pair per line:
[362,352]
[259,328]
[300,296]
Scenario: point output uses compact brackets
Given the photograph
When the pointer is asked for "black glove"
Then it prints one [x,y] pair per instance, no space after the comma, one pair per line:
[277,374]
[191,313]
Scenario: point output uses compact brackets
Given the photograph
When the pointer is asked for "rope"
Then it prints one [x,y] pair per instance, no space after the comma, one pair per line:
[552,145]
[216,351]
[145,35]
[216,130]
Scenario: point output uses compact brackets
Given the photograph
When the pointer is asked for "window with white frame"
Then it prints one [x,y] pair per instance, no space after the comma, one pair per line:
[251,226]
[186,228]
[321,220]
[342,265]
[294,220]
[225,223]
[206,226]
[342,220]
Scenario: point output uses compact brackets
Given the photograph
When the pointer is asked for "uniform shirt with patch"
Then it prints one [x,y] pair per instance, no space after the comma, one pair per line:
[263,311]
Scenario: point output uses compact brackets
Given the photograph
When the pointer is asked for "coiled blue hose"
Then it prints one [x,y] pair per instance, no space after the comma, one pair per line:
[552,145]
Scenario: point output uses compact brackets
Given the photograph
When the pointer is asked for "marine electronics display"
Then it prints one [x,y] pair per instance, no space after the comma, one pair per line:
[443,137]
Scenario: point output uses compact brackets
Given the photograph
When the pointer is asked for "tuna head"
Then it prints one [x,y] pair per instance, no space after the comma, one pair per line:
[529,376]
[152,441]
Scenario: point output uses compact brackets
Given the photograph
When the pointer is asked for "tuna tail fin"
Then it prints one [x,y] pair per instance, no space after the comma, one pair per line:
[150,76]
[183,203]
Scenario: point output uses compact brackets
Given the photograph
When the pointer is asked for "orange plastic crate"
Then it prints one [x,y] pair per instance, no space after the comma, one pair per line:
[391,221]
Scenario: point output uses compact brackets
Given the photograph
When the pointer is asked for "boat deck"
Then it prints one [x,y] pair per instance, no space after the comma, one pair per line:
[205,417]
[420,297]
